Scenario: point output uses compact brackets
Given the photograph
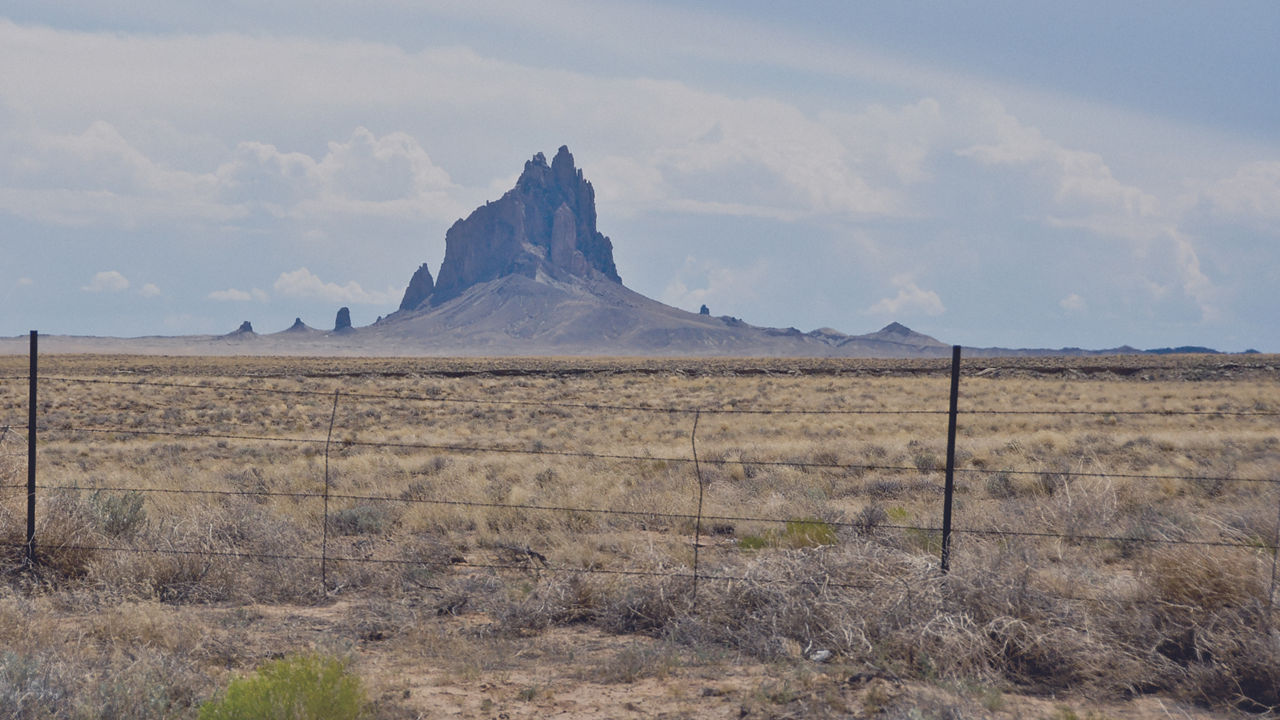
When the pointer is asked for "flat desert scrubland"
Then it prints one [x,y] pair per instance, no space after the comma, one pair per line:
[614,538]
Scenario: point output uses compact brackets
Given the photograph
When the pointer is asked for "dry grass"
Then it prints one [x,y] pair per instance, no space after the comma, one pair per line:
[497,494]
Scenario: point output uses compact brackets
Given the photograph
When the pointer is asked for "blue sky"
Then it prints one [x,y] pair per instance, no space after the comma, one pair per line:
[990,173]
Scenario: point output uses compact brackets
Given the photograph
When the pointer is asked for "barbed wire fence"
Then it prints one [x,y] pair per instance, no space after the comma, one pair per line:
[322,442]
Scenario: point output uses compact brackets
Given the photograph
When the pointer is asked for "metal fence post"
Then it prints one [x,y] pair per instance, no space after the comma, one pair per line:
[697,527]
[31,457]
[324,543]
[950,488]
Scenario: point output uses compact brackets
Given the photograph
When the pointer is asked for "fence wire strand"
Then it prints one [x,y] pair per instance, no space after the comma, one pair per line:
[609,407]
[861,529]
[852,526]
[602,407]
[802,464]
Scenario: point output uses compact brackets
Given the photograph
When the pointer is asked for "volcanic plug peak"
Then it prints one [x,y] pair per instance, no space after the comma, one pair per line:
[529,274]
[546,223]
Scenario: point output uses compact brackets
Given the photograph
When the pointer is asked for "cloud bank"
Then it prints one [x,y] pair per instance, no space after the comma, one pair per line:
[816,183]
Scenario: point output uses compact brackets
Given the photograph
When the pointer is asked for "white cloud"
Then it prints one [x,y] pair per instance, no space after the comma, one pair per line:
[259,174]
[766,153]
[721,288]
[379,169]
[234,295]
[623,182]
[389,176]
[1081,181]
[149,290]
[910,300]
[97,176]
[782,160]
[663,145]
[302,283]
[1195,284]
[1073,303]
[1086,195]
[1253,191]
[107,281]
[895,142]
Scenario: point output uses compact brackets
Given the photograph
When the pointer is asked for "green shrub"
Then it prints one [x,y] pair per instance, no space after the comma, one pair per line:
[798,533]
[119,514]
[299,687]
[1001,486]
[926,462]
[809,532]
[362,520]
[869,518]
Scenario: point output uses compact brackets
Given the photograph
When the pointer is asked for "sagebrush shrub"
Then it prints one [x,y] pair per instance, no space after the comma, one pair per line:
[361,520]
[299,687]
[809,532]
[119,514]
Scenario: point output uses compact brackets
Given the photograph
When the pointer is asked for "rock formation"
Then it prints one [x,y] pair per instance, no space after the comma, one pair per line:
[343,321]
[420,287]
[895,328]
[245,328]
[298,326]
[546,223]
[529,274]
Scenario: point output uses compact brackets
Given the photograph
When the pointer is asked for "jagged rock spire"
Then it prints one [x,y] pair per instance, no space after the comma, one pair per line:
[546,222]
[420,287]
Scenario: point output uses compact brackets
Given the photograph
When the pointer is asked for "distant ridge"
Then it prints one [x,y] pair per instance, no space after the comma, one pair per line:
[1184,350]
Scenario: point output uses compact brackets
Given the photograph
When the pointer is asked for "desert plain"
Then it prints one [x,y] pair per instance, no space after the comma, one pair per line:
[601,538]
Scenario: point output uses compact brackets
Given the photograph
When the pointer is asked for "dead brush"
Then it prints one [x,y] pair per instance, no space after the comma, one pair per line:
[148,685]
[1210,613]
[875,607]
[236,550]
[1027,634]
[108,672]
[561,599]
[68,540]
[12,464]
[635,662]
